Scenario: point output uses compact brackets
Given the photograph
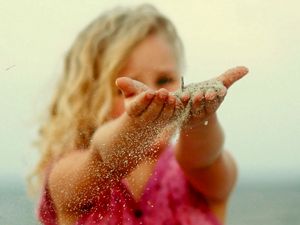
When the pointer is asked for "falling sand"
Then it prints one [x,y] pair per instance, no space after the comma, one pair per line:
[136,143]
[192,90]
[141,140]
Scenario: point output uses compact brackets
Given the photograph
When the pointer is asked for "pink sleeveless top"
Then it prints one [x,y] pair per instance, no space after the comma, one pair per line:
[168,199]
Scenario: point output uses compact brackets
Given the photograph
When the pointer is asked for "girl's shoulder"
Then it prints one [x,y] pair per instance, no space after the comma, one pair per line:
[167,198]
[46,209]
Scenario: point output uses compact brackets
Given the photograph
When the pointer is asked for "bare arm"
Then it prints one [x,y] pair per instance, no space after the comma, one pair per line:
[76,178]
[117,148]
[201,155]
[200,152]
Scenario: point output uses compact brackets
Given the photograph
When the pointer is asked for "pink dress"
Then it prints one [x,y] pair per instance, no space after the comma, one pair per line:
[168,199]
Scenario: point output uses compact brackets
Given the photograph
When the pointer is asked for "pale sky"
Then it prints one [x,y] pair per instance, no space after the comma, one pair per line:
[260,114]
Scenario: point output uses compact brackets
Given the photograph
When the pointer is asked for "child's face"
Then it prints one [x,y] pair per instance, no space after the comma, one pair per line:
[153,63]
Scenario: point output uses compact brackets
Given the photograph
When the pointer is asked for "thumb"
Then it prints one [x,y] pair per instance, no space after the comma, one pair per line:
[130,87]
[232,75]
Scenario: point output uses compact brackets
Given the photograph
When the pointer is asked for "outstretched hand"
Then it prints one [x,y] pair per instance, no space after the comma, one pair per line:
[206,97]
[147,105]
[232,75]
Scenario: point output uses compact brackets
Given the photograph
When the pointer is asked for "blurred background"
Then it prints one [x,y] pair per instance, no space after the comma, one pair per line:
[260,115]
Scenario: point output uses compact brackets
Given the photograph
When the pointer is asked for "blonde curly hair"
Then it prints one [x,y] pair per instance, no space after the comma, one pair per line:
[84,97]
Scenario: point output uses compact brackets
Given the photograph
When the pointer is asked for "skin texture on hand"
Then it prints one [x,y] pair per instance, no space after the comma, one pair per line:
[200,99]
[146,105]
[204,98]
[200,147]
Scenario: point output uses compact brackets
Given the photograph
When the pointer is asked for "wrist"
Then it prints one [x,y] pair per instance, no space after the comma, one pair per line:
[204,123]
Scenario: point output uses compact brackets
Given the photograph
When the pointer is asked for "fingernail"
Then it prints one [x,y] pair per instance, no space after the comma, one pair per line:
[150,95]
[210,96]
[162,95]
[171,100]
[185,98]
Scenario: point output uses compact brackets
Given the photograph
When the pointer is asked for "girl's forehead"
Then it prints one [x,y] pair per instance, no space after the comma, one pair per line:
[155,60]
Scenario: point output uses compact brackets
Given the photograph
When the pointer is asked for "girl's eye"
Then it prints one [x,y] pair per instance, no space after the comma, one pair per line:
[164,80]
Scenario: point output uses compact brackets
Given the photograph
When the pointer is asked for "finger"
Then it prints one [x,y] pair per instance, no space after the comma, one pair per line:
[198,104]
[210,94]
[212,106]
[130,87]
[168,109]
[232,75]
[211,101]
[154,109]
[178,104]
[221,94]
[139,105]
[185,97]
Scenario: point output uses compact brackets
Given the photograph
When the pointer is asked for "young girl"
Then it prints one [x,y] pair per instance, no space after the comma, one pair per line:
[106,151]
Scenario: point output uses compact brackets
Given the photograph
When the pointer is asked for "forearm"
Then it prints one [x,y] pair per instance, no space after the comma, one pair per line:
[123,144]
[73,180]
[76,179]
[199,144]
